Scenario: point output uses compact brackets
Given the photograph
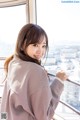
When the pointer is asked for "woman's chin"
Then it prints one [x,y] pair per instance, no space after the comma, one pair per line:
[37,58]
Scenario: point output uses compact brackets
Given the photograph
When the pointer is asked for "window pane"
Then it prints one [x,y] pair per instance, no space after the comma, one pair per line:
[11,20]
[62,24]
[61,20]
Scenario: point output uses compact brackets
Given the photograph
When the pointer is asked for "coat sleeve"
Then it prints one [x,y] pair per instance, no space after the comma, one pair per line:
[44,98]
[56,88]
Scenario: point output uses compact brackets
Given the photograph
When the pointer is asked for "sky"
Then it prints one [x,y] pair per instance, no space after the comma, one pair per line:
[11,21]
[60,20]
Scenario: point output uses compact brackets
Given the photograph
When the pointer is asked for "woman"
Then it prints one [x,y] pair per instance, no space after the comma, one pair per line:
[27,94]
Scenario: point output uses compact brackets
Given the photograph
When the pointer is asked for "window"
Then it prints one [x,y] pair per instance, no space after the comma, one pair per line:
[11,20]
[61,21]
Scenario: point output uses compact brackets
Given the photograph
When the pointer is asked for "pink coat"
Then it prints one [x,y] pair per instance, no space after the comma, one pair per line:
[27,94]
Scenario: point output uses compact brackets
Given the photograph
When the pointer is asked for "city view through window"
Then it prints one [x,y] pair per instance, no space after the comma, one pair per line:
[61,22]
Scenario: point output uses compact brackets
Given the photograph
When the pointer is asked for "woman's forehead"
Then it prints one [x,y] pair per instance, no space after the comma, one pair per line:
[42,40]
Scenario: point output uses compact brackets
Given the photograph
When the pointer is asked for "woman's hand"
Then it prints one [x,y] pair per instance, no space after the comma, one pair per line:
[62,75]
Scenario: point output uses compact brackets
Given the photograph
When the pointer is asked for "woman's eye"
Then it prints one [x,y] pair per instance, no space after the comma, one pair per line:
[44,46]
[35,45]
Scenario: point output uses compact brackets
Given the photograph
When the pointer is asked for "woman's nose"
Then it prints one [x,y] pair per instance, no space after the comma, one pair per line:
[39,50]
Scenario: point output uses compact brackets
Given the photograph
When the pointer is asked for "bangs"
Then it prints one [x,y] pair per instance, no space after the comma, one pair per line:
[35,35]
[37,39]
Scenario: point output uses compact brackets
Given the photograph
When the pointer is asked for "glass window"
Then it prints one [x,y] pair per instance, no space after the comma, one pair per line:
[61,21]
[11,20]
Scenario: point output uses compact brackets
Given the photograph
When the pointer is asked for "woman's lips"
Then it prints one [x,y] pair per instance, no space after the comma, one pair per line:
[37,56]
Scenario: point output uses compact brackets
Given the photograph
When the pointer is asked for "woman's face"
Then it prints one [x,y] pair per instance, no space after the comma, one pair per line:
[37,51]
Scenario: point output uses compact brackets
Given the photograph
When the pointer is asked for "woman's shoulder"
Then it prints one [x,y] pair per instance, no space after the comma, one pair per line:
[35,68]
[26,65]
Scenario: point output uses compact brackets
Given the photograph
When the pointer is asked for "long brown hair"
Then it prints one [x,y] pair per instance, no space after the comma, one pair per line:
[29,34]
